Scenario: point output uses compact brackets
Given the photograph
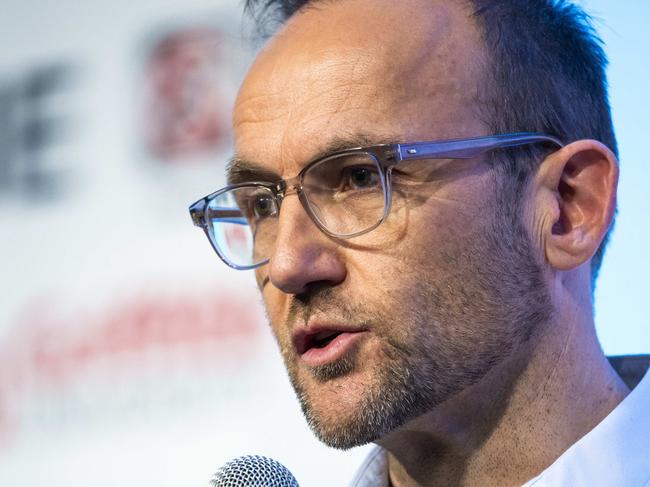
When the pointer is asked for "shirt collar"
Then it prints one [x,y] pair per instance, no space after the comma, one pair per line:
[374,470]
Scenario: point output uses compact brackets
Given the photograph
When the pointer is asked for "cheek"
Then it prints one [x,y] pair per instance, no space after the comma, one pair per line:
[442,207]
[429,251]
[422,234]
[275,303]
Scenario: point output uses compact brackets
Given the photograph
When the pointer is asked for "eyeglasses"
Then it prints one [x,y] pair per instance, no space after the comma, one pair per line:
[346,194]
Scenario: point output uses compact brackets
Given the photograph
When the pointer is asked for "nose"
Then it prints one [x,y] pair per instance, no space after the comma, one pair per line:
[303,254]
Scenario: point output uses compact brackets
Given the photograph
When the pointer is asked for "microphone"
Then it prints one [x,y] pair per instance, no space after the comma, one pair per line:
[253,471]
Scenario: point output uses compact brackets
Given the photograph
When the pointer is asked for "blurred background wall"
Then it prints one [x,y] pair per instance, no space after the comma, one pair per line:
[129,355]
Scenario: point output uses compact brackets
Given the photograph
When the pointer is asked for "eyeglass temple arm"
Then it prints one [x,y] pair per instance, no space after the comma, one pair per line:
[468,148]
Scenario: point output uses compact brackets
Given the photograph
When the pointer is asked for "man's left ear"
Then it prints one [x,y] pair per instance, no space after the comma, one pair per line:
[576,200]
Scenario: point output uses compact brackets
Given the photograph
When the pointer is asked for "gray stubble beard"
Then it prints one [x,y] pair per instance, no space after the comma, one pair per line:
[388,403]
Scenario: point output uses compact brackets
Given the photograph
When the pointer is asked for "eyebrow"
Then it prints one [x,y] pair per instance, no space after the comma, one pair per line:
[242,170]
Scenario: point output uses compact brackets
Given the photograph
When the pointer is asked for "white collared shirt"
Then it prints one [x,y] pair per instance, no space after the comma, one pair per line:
[616,453]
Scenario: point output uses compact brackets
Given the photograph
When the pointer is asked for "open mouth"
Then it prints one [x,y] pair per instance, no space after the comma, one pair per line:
[321,339]
[319,348]
[319,344]
[305,340]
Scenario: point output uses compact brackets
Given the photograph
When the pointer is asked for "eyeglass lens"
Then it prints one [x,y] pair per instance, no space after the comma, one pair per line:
[345,194]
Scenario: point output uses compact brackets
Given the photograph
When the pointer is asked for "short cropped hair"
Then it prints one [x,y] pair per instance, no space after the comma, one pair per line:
[547,73]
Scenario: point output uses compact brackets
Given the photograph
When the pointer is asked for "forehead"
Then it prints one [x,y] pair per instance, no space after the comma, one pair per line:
[405,70]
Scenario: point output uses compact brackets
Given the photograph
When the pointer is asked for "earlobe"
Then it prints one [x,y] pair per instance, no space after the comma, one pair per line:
[579,182]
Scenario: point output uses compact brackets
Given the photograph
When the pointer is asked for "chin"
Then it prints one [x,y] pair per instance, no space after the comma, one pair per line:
[359,406]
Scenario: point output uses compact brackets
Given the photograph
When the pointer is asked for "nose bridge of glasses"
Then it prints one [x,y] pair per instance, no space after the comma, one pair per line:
[288,186]
[291,186]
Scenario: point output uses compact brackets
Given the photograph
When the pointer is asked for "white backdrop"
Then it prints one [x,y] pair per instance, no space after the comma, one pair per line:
[129,355]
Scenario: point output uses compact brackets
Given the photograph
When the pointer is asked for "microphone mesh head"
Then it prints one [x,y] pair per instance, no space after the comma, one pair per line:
[253,471]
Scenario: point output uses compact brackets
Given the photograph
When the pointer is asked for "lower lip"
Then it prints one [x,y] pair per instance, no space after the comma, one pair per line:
[334,350]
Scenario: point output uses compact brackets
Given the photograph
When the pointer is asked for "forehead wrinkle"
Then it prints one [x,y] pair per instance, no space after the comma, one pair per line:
[258,108]
[284,80]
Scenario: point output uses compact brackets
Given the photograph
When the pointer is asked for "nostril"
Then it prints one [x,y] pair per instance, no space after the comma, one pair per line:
[320,291]
[304,268]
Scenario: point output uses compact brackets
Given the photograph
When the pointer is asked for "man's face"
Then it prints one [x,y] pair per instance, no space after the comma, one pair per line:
[379,329]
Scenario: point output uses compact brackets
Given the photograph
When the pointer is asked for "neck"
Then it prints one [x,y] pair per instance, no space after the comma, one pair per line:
[517,420]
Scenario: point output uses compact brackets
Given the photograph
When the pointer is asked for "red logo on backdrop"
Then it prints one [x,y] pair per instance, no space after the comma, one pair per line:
[190,88]
[48,353]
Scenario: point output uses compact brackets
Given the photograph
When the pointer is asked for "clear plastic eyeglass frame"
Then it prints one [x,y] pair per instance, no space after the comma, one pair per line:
[387,156]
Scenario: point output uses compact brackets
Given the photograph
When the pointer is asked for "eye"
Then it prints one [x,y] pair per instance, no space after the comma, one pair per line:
[262,206]
[361,177]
